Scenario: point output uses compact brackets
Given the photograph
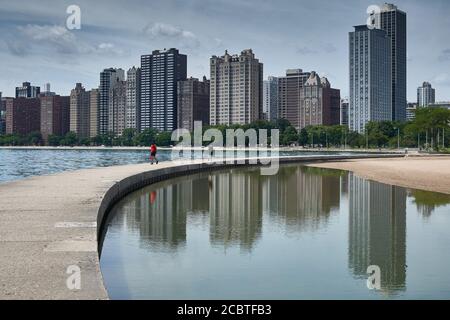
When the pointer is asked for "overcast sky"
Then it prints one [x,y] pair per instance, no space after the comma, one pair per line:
[35,46]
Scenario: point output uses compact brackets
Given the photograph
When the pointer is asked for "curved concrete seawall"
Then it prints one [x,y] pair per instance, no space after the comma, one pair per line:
[50,223]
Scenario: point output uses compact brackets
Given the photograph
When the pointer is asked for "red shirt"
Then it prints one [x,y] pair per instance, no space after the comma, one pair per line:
[153,149]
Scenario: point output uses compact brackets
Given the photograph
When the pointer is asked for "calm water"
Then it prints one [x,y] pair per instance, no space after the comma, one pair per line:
[303,234]
[17,164]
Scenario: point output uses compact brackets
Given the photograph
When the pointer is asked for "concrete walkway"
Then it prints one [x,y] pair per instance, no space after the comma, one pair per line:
[49,223]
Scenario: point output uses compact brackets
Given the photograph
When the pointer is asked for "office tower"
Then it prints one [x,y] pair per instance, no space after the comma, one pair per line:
[319,103]
[108,78]
[270,99]
[370,77]
[193,102]
[23,115]
[94,101]
[160,73]
[289,88]
[27,91]
[133,108]
[79,111]
[426,95]
[344,112]
[236,89]
[55,115]
[117,105]
[393,21]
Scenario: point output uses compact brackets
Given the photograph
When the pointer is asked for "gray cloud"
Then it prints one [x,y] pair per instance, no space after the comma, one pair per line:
[164,30]
[56,39]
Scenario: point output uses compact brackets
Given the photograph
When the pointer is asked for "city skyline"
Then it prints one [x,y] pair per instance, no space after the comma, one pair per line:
[32,35]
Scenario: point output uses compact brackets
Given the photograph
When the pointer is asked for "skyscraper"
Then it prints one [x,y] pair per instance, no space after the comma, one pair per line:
[108,78]
[236,88]
[79,111]
[289,88]
[370,77]
[393,21]
[193,102]
[270,98]
[27,91]
[55,115]
[160,73]
[133,107]
[117,105]
[426,95]
[94,101]
[319,103]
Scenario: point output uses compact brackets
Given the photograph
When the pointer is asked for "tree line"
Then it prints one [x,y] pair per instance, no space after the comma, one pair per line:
[429,130]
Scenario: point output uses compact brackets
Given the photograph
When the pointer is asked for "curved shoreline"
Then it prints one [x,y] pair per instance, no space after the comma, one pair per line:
[49,223]
[423,173]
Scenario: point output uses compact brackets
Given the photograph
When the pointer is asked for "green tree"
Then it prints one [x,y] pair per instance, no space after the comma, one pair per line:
[128,137]
[303,137]
[145,138]
[35,138]
[70,139]
[54,140]
[289,136]
[164,139]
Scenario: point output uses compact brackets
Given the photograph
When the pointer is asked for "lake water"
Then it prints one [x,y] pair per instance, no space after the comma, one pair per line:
[305,233]
[17,164]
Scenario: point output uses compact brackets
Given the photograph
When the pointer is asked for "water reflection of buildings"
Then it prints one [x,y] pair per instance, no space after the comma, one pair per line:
[236,201]
[300,198]
[235,208]
[160,214]
[377,231]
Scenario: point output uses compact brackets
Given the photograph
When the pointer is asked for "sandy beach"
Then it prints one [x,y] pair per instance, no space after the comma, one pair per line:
[425,173]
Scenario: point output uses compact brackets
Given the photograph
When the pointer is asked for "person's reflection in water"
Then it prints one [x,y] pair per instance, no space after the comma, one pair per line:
[152,197]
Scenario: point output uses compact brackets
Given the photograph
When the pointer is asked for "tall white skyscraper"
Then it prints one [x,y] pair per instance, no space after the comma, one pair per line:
[236,94]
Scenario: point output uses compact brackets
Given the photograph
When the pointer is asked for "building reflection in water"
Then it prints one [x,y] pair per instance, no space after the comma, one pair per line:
[302,198]
[235,208]
[235,201]
[159,214]
[377,231]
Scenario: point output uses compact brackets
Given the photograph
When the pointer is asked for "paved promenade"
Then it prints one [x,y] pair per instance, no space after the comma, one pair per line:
[49,223]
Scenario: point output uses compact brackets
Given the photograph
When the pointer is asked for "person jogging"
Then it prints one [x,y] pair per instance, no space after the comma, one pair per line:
[153,151]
